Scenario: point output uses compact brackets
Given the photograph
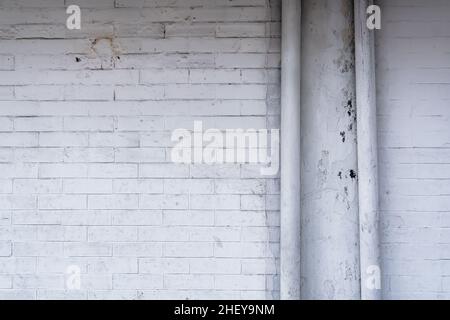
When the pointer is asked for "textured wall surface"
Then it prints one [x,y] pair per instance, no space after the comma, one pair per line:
[85,124]
[414,137]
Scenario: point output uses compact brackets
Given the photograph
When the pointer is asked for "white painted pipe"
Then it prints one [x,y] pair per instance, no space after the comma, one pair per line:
[290,151]
[329,220]
[367,155]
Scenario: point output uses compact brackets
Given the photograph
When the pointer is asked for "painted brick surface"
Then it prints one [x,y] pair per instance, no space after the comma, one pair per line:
[85,124]
[414,130]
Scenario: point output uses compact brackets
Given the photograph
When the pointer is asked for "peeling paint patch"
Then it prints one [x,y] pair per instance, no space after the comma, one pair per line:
[105,46]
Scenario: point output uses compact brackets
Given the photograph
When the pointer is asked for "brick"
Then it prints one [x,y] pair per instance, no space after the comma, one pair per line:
[188,218]
[183,282]
[163,265]
[18,233]
[88,124]
[140,155]
[6,124]
[240,186]
[185,249]
[255,266]
[89,155]
[37,249]
[112,265]
[147,186]
[38,124]
[27,217]
[88,186]
[17,202]
[107,234]
[18,294]
[113,140]
[137,218]
[218,234]
[55,294]
[39,93]
[84,249]
[171,202]
[140,123]
[18,139]
[113,171]
[7,93]
[166,170]
[43,186]
[61,233]
[224,202]
[5,249]
[253,202]
[139,93]
[39,281]
[236,30]
[112,295]
[163,234]
[62,170]
[140,249]
[6,62]
[192,186]
[20,170]
[117,202]
[63,139]
[16,265]
[62,202]
[59,264]
[39,154]
[214,76]
[5,218]
[244,250]
[215,266]
[158,76]
[240,282]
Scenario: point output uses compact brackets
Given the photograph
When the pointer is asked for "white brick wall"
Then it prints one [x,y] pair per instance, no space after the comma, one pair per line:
[85,124]
[414,137]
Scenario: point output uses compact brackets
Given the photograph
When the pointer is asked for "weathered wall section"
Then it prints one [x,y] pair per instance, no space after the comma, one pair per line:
[329,215]
[85,122]
[413,79]
[86,178]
